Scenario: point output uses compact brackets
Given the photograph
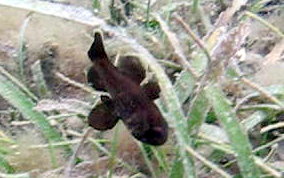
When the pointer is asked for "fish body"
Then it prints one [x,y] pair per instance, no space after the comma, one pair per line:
[129,102]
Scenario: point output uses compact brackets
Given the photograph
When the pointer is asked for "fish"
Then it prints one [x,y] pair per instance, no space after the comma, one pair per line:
[127,101]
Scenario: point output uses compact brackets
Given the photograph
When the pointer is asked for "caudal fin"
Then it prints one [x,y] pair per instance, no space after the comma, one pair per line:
[97,51]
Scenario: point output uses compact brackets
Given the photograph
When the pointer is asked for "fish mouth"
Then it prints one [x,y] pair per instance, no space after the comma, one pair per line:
[156,136]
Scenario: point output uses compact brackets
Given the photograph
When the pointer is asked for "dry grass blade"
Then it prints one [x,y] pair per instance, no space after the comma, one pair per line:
[270,26]
[57,144]
[176,46]
[70,106]
[227,15]
[70,164]
[272,127]
[208,163]
[274,90]
[221,47]
[262,91]
[275,53]
[17,98]
[79,85]
[201,45]
[198,41]
[104,150]
[175,115]
[259,162]
[230,43]
[19,175]
[267,168]
[77,14]
[269,144]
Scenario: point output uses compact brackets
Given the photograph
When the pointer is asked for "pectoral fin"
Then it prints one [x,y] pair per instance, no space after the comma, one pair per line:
[101,117]
[152,90]
[132,68]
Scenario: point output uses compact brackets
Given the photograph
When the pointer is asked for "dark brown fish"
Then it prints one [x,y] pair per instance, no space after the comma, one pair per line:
[129,101]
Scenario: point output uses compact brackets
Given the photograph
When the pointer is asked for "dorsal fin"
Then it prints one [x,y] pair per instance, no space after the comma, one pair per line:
[132,68]
[97,50]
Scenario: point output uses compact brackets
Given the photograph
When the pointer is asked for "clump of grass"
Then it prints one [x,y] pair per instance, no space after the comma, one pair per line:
[25,158]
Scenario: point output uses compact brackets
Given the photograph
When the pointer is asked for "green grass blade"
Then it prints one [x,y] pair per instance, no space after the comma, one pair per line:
[254,119]
[96,4]
[169,103]
[175,115]
[177,170]
[38,77]
[18,84]
[184,85]
[237,136]
[113,153]
[5,165]
[22,48]
[24,104]
[198,112]
[144,148]
[195,6]
[160,155]
[4,150]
